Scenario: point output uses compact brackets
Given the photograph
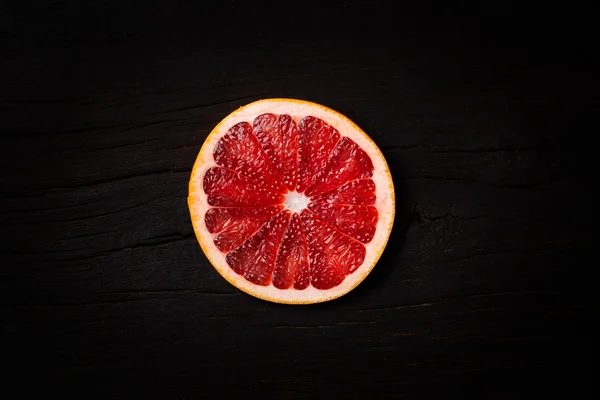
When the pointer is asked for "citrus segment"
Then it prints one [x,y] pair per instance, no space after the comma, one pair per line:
[233,225]
[278,135]
[356,221]
[227,189]
[291,267]
[332,255]
[240,151]
[255,259]
[347,162]
[316,141]
[358,192]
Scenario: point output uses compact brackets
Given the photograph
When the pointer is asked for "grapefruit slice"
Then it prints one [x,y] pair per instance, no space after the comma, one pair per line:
[291,201]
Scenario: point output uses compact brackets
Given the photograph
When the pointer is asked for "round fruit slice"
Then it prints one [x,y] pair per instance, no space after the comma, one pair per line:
[291,201]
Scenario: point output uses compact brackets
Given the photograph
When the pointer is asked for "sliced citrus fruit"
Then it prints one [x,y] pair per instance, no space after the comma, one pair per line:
[291,201]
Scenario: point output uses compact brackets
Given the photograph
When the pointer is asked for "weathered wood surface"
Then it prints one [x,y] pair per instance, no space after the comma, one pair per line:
[105,290]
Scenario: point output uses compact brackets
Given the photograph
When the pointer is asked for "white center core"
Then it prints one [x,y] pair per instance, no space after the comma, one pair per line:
[296,202]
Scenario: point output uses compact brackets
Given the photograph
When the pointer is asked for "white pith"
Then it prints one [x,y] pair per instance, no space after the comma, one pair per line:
[297,109]
[296,202]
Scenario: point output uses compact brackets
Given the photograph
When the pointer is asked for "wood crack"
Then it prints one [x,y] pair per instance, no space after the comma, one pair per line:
[507,253]
[151,242]
[216,103]
[157,241]
[101,302]
[444,300]
[44,191]
[302,326]
[184,291]
[65,132]
[420,218]
[467,151]
[78,219]
[532,185]
[405,306]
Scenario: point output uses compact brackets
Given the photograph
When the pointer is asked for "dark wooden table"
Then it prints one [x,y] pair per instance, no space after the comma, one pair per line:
[105,292]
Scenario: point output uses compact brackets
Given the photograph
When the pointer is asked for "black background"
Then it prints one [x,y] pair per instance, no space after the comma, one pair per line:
[480,111]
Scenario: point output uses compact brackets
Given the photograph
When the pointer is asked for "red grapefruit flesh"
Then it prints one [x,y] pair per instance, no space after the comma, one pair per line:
[359,192]
[255,259]
[332,254]
[347,162]
[278,135]
[358,222]
[317,140]
[227,189]
[292,267]
[232,226]
[291,202]
[240,151]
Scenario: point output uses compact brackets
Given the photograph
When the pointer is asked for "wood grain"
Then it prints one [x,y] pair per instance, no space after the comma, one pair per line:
[105,290]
